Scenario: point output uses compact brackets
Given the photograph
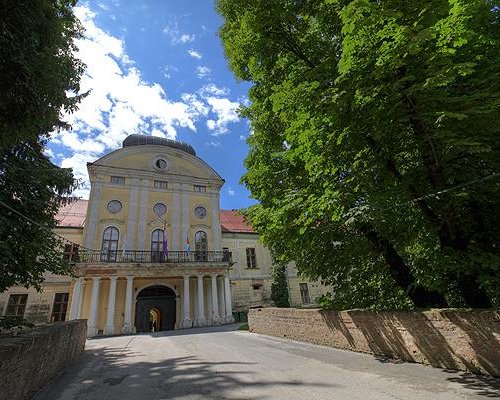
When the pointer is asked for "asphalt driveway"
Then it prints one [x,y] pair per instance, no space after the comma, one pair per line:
[223,363]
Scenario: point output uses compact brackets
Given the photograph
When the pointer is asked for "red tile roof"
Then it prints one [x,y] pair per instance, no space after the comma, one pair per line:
[231,221]
[72,214]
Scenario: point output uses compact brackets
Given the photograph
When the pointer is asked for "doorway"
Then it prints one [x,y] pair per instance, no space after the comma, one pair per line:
[155,309]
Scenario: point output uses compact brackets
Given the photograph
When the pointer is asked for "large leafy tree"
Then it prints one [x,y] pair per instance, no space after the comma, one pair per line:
[39,81]
[374,148]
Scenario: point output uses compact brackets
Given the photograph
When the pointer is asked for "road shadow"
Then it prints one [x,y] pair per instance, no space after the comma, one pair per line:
[123,373]
[387,335]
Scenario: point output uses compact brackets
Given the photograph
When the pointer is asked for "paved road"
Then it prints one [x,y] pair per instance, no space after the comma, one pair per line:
[221,363]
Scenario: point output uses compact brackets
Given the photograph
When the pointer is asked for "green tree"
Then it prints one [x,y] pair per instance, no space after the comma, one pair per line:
[39,81]
[359,111]
[279,287]
[38,68]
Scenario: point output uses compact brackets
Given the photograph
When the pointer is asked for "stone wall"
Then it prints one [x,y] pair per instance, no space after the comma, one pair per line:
[462,340]
[28,361]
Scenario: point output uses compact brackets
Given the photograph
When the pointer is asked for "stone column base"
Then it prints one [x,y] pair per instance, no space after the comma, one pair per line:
[200,322]
[187,323]
[228,319]
[109,330]
[216,321]
[127,329]
[91,331]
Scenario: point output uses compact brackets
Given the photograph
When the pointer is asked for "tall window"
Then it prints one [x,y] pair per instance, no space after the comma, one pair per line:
[60,307]
[157,245]
[251,259]
[16,305]
[109,247]
[118,180]
[71,253]
[304,293]
[201,246]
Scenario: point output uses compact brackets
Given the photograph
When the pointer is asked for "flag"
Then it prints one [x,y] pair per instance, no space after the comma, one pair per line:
[188,247]
[165,241]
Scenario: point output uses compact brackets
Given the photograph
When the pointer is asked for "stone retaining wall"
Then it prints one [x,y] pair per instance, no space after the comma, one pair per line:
[461,340]
[28,361]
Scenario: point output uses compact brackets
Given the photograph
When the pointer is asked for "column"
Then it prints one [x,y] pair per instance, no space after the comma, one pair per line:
[201,303]
[109,329]
[215,301]
[127,327]
[80,300]
[94,308]
[75,300]
[229,307]
[186,317]
[222,304]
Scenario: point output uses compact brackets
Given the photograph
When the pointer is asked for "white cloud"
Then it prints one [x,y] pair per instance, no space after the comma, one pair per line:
[231,192]
[242,137]
[214,144]
[195,54]
[176,36]
[168,70]
[225,110]
[202,71]
[213,90]
[49,153]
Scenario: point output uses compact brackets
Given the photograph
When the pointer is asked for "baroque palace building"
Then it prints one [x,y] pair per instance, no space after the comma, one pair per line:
[153,251]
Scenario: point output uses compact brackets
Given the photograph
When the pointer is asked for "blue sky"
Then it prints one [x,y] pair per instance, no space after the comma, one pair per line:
[156,67]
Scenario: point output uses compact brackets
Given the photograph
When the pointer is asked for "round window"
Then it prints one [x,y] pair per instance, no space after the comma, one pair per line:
[159,209]
[200,212]
[161,163]
[114,206]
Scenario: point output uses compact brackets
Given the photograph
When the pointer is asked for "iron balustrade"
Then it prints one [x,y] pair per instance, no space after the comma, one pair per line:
[148,257]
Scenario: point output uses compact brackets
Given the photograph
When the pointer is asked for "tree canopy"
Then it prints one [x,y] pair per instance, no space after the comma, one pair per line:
[39,81]
[374,151]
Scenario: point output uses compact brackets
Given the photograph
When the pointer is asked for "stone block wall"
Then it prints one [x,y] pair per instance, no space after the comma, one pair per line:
[461,340]
[28,361]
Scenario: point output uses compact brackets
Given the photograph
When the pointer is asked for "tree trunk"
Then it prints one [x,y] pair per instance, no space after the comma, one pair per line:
[401,273]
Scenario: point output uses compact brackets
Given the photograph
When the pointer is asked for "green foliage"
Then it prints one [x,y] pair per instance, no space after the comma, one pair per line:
[364,114]
[39,74]
[9,322]
[279,287]
[34,187]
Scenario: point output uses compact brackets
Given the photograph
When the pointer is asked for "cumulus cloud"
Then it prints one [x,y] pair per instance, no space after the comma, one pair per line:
[231,192]
[212,89]
[226,112]
[214,144]
[202,71]
[195,54]
[175,35]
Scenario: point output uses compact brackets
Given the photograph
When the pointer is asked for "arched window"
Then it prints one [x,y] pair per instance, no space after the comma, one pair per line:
[201,246]
[157,245]
[109,248]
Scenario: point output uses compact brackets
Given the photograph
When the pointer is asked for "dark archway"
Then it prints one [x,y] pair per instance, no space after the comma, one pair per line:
[155,308]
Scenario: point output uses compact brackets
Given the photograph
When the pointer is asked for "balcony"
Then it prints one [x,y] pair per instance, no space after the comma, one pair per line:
[147,257]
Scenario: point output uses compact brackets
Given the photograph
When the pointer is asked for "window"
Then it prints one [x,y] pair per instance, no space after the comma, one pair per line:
[157,254]
[200,212]
[114,206]
[109,247]
[161,164]
[71,252]
[159,209]
[60,307]
[251,260]
[226,255]
[201,246]
[161,184]
[304,293]
[200,188]
[118,180]
[16,305]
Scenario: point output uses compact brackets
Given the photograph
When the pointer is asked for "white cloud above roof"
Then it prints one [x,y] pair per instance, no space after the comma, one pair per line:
[195,54]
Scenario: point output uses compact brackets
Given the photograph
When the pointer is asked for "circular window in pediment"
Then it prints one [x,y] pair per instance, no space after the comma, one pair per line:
[159,209]
[161,164]
[200,212]
[114,206]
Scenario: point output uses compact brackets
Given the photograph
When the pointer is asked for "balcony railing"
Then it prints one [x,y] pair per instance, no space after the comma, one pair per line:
[149,257]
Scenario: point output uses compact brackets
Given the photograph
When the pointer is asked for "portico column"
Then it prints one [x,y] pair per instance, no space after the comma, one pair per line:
[80,300]
[127,319]
[215,301]
[222,304]
[229,307]
[94,308]
[110,317]
[186,318]
[75,301]
[201,303]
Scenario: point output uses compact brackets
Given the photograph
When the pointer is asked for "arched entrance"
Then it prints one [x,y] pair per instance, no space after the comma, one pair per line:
[155,309]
